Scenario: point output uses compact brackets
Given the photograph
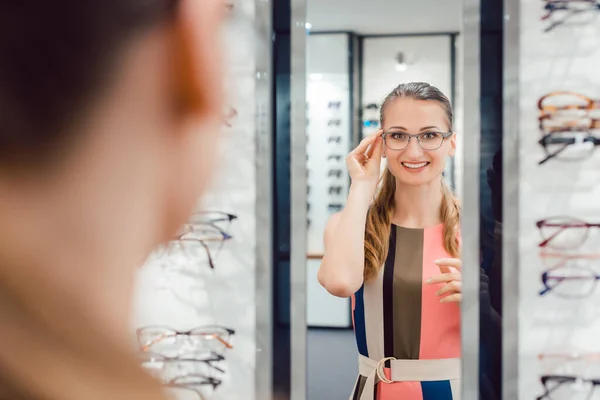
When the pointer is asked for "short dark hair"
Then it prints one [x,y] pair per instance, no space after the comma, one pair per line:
[55,57]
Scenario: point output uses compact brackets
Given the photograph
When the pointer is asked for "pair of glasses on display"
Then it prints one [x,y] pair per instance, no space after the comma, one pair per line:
[184,378]
[371,123]
[334,104]
[335,157]
[572,7]
[337,173]
[335,207]
[397,140]
[335,190]
[334,139]
[170,342]
[207,365]
[565,109]
[564,233]
[569,280]
[371,106]
[568,387]
[207,229]
[334,122]
[568,145]
[191,387]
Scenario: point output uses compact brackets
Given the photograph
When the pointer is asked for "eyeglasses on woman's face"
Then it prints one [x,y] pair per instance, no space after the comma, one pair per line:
[430,140]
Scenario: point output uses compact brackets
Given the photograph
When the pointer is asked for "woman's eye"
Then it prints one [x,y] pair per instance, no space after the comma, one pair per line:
[430,135]
[398,136]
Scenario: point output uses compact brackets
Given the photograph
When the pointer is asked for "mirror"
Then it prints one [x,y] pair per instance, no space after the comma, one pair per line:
[388,335]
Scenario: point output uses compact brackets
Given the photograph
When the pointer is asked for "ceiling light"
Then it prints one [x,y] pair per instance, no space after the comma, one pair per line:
[401,64]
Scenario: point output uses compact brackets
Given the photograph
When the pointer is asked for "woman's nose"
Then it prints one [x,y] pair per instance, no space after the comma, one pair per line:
[413,147]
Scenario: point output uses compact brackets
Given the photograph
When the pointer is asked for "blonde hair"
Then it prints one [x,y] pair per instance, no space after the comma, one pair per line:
[380,214]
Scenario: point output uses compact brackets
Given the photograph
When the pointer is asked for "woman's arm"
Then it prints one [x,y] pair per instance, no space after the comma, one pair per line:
[341,271]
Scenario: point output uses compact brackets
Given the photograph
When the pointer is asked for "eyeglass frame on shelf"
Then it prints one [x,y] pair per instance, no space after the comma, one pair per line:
[560,380]
[582,224]
[176,333]
[156,357]
[206,380]
[189,230]
[555,137]
[546,277]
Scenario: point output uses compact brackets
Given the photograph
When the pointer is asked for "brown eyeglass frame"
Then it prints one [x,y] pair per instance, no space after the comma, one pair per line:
[176,333]
[578,224]
[547,112]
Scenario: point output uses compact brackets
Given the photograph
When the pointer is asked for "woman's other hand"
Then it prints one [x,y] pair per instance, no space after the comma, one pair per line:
[451,277]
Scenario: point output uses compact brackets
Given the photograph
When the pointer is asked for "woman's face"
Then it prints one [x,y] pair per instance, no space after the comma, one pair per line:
[411,163]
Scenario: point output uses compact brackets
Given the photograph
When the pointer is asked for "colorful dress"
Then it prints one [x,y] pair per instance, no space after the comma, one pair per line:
[408,342]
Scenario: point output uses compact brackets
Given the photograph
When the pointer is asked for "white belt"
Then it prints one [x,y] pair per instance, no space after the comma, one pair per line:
[406,371]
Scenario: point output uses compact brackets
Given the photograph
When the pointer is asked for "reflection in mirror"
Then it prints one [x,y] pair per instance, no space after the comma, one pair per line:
[383,264]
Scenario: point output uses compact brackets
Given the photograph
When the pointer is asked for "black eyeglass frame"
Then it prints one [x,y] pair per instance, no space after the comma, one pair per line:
[555,137]
[560,380]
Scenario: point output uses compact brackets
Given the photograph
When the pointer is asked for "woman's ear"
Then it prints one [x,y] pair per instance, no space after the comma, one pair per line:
[197,58]
[452,151]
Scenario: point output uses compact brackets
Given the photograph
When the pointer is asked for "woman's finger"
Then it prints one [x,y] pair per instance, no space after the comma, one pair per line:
[453,298]
[444,278]
[361,158]
[377,148]
[449,262]
[451,287]
[372,146]
[363,146]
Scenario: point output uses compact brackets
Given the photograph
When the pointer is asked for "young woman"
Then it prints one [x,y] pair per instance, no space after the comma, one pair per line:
[109,115]
[397,254]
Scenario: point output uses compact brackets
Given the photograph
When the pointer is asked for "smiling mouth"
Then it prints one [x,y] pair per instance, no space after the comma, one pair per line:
[415,165]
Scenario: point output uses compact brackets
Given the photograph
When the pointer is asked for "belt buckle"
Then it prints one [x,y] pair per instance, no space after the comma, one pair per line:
[379,369]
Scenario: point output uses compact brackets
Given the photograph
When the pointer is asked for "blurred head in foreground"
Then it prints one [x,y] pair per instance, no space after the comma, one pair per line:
[109,115]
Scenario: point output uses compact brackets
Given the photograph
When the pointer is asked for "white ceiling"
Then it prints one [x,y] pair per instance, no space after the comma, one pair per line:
[385,16]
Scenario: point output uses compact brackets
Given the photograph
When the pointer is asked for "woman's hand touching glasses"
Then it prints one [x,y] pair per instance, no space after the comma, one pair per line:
[364,162]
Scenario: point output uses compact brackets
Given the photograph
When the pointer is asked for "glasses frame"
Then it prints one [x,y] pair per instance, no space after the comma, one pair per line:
[562,379]
[555,137]
[547,278]
[202,381]
[175,333]
[445,135]
[214,358]
[577,224]
[547,112]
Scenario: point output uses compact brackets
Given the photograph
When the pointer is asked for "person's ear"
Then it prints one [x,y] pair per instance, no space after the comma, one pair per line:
[198,80]
[452,151]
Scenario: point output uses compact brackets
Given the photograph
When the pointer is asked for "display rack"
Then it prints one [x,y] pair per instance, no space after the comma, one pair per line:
[558,212]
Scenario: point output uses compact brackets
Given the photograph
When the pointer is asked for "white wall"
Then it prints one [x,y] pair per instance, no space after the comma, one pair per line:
[385,16]
[185,293]
[566,58]
[428,58]
[328,80]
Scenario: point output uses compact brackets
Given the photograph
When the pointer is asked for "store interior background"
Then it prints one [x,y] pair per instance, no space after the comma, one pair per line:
[352,54]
